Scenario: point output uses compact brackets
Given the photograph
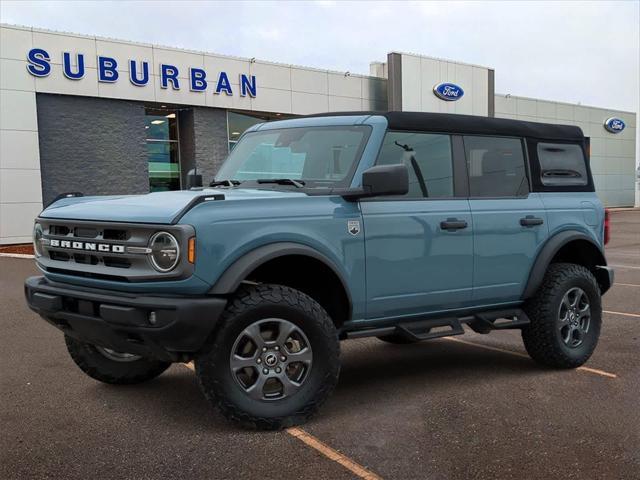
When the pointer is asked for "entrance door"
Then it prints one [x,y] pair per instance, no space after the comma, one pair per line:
[419,246]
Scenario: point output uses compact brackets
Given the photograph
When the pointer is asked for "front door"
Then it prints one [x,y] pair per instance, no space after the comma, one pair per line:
[419,247]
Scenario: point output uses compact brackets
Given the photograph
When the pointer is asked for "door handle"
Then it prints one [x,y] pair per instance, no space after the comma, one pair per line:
[531,221]
[451,224]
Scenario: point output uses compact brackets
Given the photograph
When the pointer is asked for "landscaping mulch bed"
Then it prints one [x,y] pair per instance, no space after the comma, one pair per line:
[24,249]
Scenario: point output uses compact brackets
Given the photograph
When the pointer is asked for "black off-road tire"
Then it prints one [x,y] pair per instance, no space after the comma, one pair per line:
[255,303]
[397,339]
[99,367]
[542,338]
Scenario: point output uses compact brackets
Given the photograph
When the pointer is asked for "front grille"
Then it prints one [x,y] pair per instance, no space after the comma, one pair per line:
[83,232]
[95,250]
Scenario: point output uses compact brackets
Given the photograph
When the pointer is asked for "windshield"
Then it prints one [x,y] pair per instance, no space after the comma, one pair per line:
[317,156]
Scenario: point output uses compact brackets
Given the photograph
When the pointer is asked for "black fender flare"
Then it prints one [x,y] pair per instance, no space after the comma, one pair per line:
[230,280]
[549,250]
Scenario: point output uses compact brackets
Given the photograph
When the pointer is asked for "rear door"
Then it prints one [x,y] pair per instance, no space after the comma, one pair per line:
[509,222]
[419,247]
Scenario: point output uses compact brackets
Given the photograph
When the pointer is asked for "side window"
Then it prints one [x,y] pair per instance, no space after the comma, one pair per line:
[496,167]
[562,164]
[428,159]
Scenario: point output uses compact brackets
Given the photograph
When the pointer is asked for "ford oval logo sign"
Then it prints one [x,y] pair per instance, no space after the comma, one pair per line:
[448,91]
[614,125]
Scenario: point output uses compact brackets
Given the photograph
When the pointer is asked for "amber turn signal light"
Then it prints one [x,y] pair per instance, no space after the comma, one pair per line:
[191,250]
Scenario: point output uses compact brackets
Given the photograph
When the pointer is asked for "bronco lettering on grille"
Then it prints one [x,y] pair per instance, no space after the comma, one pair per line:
[88,246]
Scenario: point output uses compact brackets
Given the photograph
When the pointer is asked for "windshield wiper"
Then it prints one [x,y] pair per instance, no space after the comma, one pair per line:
[282,181]
[224,183]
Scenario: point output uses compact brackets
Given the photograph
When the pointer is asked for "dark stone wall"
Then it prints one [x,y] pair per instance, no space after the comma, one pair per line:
[211,140]
[91,145]
[97,146]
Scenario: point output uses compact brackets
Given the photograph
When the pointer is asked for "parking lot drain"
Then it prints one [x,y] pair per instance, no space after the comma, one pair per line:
[330,453]
[517,354]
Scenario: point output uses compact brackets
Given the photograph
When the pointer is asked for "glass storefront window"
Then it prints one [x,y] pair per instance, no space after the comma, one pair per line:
[237,123]
[162,150]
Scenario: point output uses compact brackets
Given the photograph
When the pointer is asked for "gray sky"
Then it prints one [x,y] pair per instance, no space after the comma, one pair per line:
[586,52]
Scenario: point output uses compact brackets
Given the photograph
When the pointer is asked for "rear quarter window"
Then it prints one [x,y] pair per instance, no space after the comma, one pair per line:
[562,164]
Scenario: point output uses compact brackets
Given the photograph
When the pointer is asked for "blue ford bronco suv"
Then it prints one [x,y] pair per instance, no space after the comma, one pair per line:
[402,226]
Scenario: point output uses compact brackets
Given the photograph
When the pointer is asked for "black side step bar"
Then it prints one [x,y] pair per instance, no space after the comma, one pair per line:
[427,328]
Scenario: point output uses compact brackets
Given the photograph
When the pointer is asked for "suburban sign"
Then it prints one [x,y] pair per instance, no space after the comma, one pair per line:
[73,68]
[448,91]
[614,125]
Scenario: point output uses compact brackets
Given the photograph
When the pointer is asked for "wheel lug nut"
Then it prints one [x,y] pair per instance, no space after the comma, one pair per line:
[264,349]
[265,371]
[278,370]
[277,348]
[283,358]
[259,360]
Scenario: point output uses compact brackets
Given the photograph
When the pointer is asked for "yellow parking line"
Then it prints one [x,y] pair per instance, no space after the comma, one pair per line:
[622,313]
[631,267]
[324,449]
[517,354]
[332,454]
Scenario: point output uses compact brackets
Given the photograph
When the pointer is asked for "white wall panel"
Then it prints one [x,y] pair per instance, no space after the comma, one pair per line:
[272,76]
[19,149]
[18,110]
[20,186]
[123,88]
[229,101]
[15,42]
[344,104]
[272,100]
[14,75]
[342,86]
[56,82]
[564,111]
[307,103]
[17,221]
[309,81]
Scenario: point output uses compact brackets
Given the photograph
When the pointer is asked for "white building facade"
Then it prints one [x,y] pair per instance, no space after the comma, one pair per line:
[103,116]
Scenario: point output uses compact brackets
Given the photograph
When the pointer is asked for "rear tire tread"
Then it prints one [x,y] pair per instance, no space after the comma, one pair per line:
[540,336]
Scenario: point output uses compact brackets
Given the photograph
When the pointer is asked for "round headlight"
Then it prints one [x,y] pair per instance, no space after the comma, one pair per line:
[165,251]
[37,239]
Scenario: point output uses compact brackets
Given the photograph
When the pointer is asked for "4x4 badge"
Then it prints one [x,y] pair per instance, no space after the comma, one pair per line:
[353,226]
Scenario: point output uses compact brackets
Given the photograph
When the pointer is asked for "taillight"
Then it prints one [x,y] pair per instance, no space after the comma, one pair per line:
[607,226]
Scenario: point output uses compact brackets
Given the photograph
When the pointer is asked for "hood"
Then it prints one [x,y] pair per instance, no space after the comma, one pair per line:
[158,207]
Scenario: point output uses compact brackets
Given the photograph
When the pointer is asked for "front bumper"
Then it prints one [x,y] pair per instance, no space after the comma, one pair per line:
[178,327]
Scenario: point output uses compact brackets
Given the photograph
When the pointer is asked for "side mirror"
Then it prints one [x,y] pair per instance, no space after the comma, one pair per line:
[385,180]
[194,180]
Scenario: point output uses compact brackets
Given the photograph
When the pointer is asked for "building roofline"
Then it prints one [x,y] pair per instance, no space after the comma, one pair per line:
[186,50]
[509,95]
[441,59]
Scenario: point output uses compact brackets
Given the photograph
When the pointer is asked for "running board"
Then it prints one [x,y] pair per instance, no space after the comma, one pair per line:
[427,328]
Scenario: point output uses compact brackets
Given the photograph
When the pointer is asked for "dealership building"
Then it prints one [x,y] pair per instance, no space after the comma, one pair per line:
[103,116]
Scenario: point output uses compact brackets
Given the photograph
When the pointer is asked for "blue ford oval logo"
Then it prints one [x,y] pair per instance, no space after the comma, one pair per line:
[448,91]
[614,125]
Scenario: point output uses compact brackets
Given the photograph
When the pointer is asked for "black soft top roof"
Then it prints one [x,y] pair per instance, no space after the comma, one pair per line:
[471,124]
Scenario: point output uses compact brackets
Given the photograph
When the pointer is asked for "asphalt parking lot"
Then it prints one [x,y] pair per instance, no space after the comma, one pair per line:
[471,407]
